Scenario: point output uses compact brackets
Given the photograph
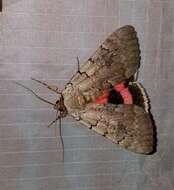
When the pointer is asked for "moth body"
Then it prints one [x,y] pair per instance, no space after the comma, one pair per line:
[103,97]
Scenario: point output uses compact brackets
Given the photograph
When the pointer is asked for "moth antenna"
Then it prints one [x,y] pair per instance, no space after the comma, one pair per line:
[60,135]
[40,98]
[50,87]
[78,64]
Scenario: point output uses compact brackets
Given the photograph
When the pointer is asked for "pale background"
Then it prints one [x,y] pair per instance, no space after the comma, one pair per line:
[41,38]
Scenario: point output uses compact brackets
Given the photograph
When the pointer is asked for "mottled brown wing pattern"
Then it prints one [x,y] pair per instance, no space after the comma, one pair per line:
[116,60]
[129,126]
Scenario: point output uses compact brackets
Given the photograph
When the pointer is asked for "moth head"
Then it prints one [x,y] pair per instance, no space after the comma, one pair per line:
[59,106]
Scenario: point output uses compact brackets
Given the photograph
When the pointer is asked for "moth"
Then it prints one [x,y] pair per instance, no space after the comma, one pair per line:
[104,96]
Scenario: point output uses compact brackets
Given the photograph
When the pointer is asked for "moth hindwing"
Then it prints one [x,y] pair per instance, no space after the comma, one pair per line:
[102,96]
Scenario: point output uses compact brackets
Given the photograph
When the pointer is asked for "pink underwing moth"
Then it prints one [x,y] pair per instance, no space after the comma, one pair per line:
[104,96]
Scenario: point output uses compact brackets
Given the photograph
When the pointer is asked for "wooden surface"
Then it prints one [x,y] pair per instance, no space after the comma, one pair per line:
[41,38]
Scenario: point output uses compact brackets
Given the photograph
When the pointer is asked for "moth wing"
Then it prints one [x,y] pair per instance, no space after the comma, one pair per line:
[129,126]
[116,60]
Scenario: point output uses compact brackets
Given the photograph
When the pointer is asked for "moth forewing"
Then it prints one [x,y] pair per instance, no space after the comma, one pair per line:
[116,60]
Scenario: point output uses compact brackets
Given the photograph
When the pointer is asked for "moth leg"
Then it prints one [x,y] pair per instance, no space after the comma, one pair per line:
[78,64]
[57,118]
[50,87]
